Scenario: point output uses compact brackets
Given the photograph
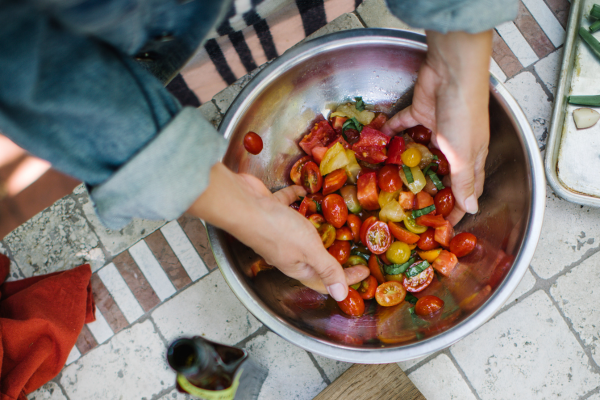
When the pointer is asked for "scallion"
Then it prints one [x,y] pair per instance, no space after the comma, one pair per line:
[408,174]
[417,269]
[360,104]
[436,180]
[396,269]
[593,101]
[423,211]
[595,27]
[591,41]
[411,298]
[595,11]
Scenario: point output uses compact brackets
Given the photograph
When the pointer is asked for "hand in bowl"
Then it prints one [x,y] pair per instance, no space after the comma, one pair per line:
[243,206]
[451,98]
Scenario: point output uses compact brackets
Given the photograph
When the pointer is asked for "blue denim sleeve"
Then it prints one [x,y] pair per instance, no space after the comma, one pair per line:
[444,16]
[96,115]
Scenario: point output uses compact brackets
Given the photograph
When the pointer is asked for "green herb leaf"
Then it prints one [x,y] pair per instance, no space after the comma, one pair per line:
[355,286]
[417,269]
[435,157]
[301,198]
[360,104]
[593,101]
[357,252]
[423,211]
[436,180]
[411,298]
[408,174]
[357,124]
[396,269]
[412,310]
[319,210]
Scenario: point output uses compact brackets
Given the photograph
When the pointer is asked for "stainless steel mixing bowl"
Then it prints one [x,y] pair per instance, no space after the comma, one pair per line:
[280,104]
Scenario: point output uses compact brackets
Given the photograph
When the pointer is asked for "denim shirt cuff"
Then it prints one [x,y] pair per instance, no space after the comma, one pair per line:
[163,180]
[445,16]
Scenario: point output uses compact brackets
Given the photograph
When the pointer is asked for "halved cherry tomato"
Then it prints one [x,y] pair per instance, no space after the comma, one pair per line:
[443,234]
[296,172]
[260,265]
[402,234]
[308,207]
[334,181]
[419,134]
[335,210]
[427,241]
[378,237]
[364,227]
[388,179]
[406,200]
[428,305]
[429,255]
[371,146]
[445,263]
[378,121]
[443,167]
[344,233]
[327,232]
[318,153]
[312,180]
[321,135]
[390,294]
[367,191]
[368,287]
[444,201]
[353,304]
[420,281]
[253,143]
[422,200]
[375,269]
[317,220]
[395,150]
[462,244]
[340,250]
[354,223]
[434,221]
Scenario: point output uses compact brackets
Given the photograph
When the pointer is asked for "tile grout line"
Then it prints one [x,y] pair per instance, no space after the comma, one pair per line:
[263,330]
[418,365]
[590,393]
[461,372]
[318,367]
[57,379]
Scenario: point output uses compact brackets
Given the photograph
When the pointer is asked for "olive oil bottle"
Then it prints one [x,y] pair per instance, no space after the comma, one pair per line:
[214,371]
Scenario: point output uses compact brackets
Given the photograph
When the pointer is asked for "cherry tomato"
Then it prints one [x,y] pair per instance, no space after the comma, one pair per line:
[398,253]
[443,167]
[335,210]
[344,233]
[340,250]
[419,134]
[295,205]
[353,304]
[427,240]
[307,207]
[388,178]
[253,143]
[428,305]
[296,172]
[327,232]
[402,234]
[444,201]
[390,294]
[368,287]
[420,281]
[378,237]
[334,181]
[367,191]
[355,260]
[354,224]
[462,244]
[312,180]
[443,234]
[364,227]
[375,269]
[411,157]
[317,220]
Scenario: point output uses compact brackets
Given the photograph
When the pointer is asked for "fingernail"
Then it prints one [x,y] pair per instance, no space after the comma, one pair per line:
[337,291]
[471,204]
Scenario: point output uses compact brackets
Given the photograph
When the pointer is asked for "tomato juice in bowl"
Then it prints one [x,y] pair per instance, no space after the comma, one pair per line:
[282,103]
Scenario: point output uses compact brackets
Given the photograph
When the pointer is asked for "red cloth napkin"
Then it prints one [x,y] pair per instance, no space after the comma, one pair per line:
[40,320]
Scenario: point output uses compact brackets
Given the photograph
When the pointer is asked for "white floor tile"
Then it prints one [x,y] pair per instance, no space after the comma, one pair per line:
[100,328]
[152,270]
[440,380]
[73,355]
[121,293]
[50,391]
[548,69]
[184,250]
[547,21]
[517,43]
[497,71]
[332,368]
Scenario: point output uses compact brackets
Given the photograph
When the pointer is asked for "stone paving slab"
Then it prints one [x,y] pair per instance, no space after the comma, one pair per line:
[332,368]
[50,391]
[440,380]
[548,69]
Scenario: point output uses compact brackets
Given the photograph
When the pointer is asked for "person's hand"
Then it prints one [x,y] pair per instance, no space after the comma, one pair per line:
[243,206]
[451,98]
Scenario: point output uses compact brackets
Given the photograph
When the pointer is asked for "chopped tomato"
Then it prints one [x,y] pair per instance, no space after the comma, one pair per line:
[390,294]
[371,146]
[353,304]
[388,179]
[443,234]
[260,265]
[308,207]
[367,191]
[434,221]
[335,210]
[378,121]
[296,172]
[420,281]
[367,288]
[445,263]
[312,180]
[402,234]
[406,200]
[397,147]
[364,227]
[338,122]
[340,250]
[375,269]
[344,233]
[321,135]
[378,237]
[422,200]
[334,181]
[340,140]
[318,153]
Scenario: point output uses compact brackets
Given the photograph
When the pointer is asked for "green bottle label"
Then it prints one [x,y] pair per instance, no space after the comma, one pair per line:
[225,394]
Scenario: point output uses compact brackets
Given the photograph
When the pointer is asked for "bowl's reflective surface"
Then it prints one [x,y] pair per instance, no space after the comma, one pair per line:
[381,66]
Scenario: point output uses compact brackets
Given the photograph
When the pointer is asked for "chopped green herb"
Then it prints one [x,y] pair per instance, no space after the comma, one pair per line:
[423,211]
[408,174]
[595,12]
[595,27]
[436,180]
[357,252]
[355,286]
[593,101]
[360,104]
[357,124]
[396,269]
[435,157]
[417,269]
[591,41]
[412,310]
[352,123]
[411,298]
[319,210]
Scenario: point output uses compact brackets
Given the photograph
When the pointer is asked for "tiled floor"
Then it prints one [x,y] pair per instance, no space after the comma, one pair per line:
[154,282]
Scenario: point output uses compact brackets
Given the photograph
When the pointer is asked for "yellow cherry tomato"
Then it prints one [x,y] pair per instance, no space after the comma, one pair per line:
[398,253]
[397,278]
[429,255]
[411,157]
[412,226]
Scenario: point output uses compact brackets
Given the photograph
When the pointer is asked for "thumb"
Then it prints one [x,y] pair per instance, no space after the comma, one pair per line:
[402,120]
[330,272]
[463,188]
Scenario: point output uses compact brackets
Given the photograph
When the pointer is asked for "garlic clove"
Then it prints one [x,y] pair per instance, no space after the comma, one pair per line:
[585,117]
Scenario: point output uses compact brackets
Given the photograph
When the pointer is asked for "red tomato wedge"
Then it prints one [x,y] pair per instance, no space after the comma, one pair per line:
[334,181]
[335,210]
[312,180]
[296,172]
[371,146]
[375,269]
[308,207]
[353,304]
[390,294]
[320,136]
[406,200]
[341,140]
[445,263]
[367,191]
[318,153]
[402,234]
[444,234]
[364,226]
[388,179]
[338,122]
[379,238]
[422,200]
[434,221]
[397,147]
[367,288]
[378,121]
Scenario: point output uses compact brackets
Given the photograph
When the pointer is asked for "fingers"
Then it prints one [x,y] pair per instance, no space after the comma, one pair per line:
[463,188]
[290,194]
[356,274]
[399,122]
[330,272]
